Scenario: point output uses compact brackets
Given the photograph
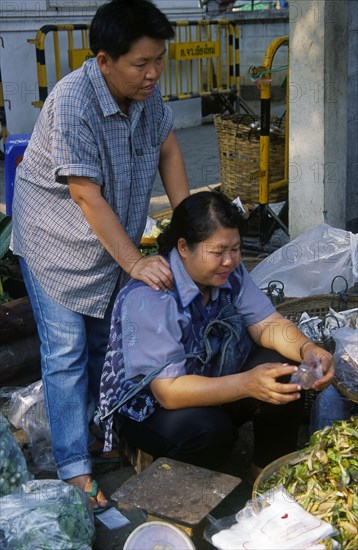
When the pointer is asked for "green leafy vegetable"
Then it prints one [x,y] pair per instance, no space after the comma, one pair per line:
[324,479]
[13,468]
[47,515]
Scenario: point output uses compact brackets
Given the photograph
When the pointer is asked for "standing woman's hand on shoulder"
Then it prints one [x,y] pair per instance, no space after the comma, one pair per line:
[154,271]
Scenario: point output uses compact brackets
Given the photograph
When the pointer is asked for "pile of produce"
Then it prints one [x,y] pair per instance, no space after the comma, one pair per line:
[13,468]
[47,514]
[323,479]
[39,514]
[148,243]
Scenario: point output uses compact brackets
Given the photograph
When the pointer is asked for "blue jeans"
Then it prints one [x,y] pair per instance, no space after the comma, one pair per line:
[328,406]
[73,348]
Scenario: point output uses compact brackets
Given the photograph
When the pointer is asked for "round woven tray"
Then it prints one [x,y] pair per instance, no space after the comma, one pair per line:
[250,262]
[291,458]
[315,306]
[351,395]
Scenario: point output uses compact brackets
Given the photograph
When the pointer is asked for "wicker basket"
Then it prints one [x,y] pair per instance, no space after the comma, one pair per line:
[239,153]
[319,306]
[250,262]
[348,393]
[291,458]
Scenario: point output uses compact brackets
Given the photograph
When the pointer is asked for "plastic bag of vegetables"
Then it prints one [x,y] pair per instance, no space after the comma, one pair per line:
[46,515]
[27,411]
[13,468]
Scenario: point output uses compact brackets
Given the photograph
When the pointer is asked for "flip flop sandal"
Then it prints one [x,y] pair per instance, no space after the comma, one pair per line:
[99,457]
[93,494]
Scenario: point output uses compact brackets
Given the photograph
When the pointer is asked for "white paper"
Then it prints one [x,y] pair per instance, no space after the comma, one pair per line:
[282,525]
[112,518]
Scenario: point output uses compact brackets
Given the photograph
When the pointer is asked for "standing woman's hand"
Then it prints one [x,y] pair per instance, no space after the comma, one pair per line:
[154,271]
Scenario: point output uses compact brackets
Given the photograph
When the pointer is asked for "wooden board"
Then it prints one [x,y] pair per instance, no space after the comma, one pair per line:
[176,491]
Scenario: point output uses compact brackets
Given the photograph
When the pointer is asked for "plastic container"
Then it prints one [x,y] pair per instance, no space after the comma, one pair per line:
[14,150]
[158,534]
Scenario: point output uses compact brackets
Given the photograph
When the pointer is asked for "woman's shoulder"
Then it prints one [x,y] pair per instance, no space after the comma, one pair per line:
[137,295]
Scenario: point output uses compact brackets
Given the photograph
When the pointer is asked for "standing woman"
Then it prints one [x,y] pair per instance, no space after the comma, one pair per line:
[191,409]
[80,207]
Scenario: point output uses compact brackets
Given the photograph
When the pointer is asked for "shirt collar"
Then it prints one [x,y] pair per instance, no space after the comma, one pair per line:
[186,288]
[106,101]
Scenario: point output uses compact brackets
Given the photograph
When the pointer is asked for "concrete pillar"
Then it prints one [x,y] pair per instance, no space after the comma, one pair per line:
[318,114]
[352,130]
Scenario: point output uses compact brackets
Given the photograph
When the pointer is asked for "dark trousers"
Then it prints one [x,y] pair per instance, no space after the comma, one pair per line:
[205,436]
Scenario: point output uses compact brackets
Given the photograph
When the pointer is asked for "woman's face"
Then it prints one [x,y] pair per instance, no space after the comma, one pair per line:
[212,261]
[134,74]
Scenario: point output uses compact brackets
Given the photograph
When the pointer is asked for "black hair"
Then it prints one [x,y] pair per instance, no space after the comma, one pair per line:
[117,24]
[196,218]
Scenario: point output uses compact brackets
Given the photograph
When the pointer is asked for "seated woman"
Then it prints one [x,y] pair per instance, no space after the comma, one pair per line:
[215,375]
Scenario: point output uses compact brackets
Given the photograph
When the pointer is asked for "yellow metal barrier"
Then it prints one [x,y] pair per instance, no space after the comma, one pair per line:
[202,59]
[269,220]
[72,52]
[265,185]
[3,132]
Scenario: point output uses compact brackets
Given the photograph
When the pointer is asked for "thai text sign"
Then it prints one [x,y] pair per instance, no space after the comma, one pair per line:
[78,56]
[182,51]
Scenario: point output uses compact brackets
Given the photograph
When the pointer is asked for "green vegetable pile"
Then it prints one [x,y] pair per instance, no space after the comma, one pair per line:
[148,250]
[13,468]
[47,515]
[323,479]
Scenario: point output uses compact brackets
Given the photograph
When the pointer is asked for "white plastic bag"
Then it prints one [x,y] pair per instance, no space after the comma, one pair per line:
[346,358]
[307,265]
[150,225]
[47,514]
[273,521]
[27,411]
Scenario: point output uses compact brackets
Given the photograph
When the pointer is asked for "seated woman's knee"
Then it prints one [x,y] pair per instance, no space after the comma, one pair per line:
[209,444]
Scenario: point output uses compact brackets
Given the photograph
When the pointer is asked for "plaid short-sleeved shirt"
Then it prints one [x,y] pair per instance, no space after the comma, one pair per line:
[81,131]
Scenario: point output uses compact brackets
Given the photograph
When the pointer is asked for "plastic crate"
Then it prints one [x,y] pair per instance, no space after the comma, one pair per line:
[14,150]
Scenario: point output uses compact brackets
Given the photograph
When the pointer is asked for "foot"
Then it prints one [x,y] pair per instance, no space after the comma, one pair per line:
[89,486]
[96,451]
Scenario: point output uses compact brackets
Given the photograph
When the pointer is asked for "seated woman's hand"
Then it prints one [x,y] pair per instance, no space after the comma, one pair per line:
[154,271]
[314,354]
[263,383]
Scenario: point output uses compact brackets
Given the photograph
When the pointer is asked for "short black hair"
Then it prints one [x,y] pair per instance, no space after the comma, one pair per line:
[117,24]
[197,217]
